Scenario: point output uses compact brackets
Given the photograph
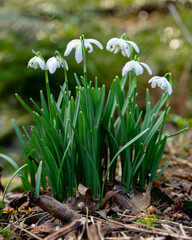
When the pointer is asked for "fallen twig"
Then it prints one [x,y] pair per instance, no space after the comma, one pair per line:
[55,208]
[29,233]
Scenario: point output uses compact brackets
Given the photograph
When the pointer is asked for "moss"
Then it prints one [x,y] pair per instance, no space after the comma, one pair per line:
[147,220]
[6,234]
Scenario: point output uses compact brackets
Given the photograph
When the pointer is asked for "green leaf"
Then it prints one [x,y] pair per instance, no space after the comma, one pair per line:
[18,170]
[162,171]
[99,108]
[109,108]
[175,134]
[24,104]
[10,160]
[114,158]
[21,138]
[27,184]
[38,180]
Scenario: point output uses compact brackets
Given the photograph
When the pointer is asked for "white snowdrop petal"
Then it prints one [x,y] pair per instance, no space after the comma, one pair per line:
[155,78]
[51,64]
[169,89]
[36,62]
[78,54]
[88,46]
[112,48]
[153,84]
[124,71]
[66,65]
[116,50]
[134,45]
[55,62]
[138,69]
[69,48]
[147,67]
[124,45]
[121,44]
[111,42]
[31,62]
[123,53]
[73,42]
[41,64]
[127,52]
[99,45]
[161,82]
[128,67]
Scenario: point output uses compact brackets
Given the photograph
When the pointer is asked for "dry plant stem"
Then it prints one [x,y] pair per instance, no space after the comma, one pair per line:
[55,208]
[29,233]
[153,231]
[174,223]
[66,229]
[150,230]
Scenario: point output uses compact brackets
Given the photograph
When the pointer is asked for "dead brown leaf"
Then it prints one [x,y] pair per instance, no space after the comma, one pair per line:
[46,228]
[84,199]
[66,229]
[92,232]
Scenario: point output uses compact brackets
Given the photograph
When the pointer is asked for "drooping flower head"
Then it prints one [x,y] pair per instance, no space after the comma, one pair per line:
[136,66]
[37,61]
[55,62]
[161,82]
[77,45]
[117,44]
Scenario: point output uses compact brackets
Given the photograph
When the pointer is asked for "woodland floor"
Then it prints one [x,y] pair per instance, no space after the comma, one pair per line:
[168,216]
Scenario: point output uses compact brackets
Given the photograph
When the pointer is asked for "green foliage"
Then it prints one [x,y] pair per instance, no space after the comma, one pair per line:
[6,234]
[179,120]
[16,172]
[79,139]
[147,220]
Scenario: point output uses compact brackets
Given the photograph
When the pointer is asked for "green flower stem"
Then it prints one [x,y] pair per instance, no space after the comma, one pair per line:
[48,95]
[66,81]
[124,36]
[90,123]
[65,84]
[164,117]
[84,60]
[130,77]
[166,108]
[135,92]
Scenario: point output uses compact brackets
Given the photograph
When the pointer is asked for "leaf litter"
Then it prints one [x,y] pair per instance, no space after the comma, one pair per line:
[163,211]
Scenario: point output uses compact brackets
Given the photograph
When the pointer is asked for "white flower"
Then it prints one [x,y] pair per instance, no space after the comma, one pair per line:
[76,43]
[136,66]
[116,44]
[36,62]
[55,62]
[162,83]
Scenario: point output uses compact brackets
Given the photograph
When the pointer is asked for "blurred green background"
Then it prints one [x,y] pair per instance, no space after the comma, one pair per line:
[161,29]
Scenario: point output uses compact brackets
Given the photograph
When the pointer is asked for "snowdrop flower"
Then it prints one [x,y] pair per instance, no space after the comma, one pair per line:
[76,43]
[55,62]
[136,66]
[36,62]
[116,44]
[162,83]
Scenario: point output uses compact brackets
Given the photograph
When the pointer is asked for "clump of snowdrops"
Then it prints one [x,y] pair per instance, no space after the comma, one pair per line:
[80,139]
